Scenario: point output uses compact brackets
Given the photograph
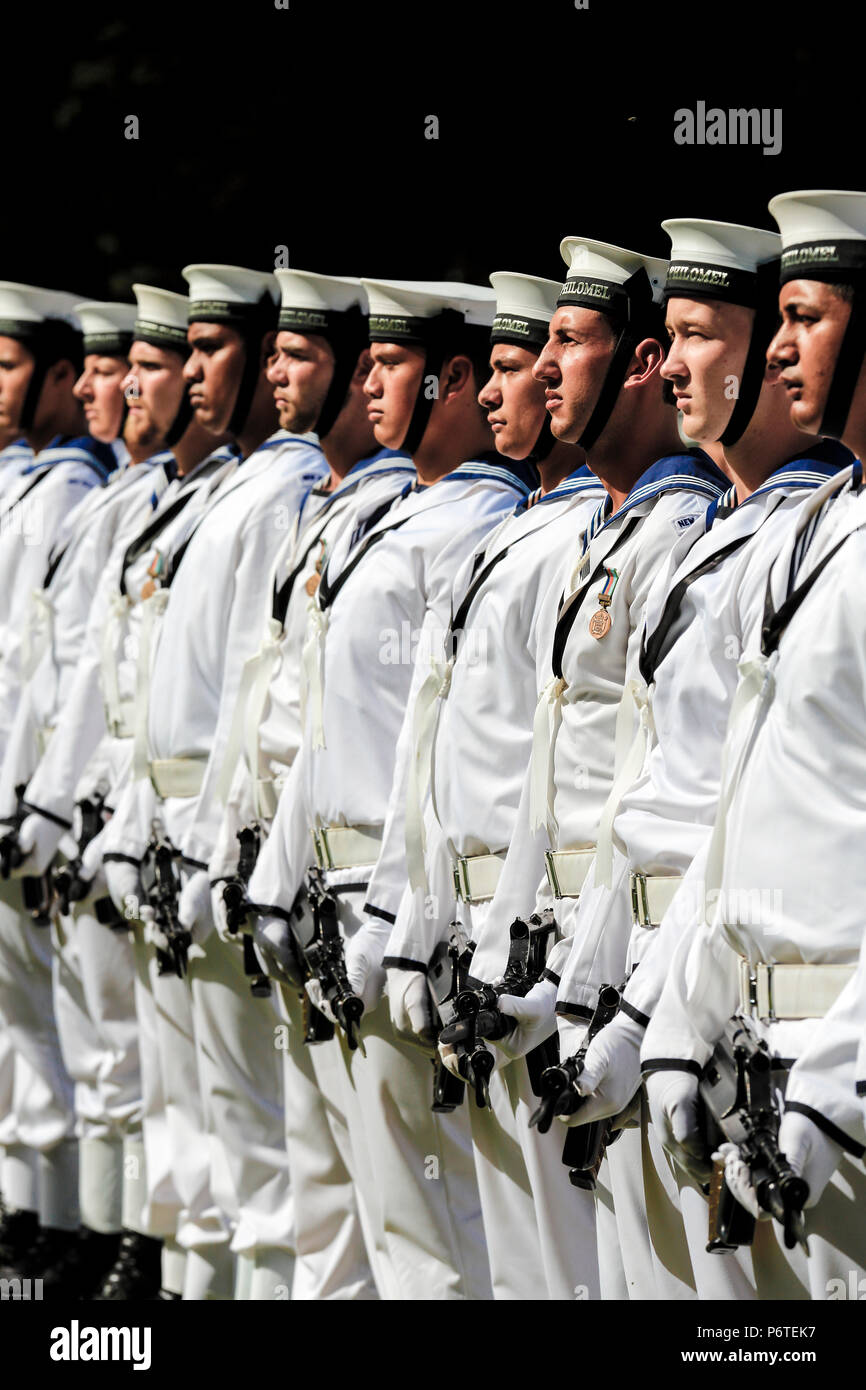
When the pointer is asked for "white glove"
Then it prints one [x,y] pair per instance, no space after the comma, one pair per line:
[38,839]
[412,1008]
[318,1000]
[123,882]
[193,905]
[611,1073]
[535,1015]
[274,944]
[219,912]
[450,1060]
[364,969]
[812,1154]
[673,1101]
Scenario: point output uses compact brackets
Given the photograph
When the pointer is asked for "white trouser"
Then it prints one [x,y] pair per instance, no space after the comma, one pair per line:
[43,1090]
[331,1255]
[240,1075]
[656,1267]
[162,1203]
[94,1006]
[525,1190]
[413,1168]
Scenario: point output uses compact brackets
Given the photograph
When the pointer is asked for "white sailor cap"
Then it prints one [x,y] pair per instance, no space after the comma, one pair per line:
[525,305]
[231,294]
[313,303]
[23,308]
[598,274]
[406,311]
[161,318]
[823,234]
[107,328]
[718,260]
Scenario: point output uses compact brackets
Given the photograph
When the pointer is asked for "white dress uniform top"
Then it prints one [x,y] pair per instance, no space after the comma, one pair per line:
[13,460]
[209,629]
[380,594]
[331,1259]
[35,509]
[588,642]
[779,933]
[479,726]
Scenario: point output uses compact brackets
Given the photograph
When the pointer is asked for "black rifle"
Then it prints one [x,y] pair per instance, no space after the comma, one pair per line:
[446,977]
[477,1016]
[68,884]
[739,1105]
[171,959]
[36,889]
[585,1145]
[319,948]
[238,907]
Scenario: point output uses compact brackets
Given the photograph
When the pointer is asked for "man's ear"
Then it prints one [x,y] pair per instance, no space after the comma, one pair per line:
[457,374]
[645,363]
[62,373]
[268,348]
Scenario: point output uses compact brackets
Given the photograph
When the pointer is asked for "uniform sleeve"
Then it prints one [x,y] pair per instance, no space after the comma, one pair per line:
[700,994]
[129,831]
[287,853]
[251,591]
[35,528]
[388,880]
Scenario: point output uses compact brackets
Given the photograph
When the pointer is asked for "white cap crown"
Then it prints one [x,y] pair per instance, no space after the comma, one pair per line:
[161,318]
[598,272]
[823,234]
[229,293]
[312,303]
[717,260]
[403,310]
[24,307]
[107,327]
[525,304]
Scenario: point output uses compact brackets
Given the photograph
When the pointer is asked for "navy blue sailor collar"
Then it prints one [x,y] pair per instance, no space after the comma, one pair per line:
[690,471]
[581,480]
[521,476]
[80,449]
[808,470]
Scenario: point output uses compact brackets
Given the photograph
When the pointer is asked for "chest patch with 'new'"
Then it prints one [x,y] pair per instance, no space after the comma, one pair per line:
[682,523]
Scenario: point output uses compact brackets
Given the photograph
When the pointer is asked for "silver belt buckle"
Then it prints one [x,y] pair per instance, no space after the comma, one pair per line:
[320,848]
[748,989]
[552,877]
[461,880]
[640,913]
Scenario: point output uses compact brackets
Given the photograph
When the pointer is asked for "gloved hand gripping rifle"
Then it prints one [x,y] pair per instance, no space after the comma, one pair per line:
[477,1018]
[585,1145]
[739,1105]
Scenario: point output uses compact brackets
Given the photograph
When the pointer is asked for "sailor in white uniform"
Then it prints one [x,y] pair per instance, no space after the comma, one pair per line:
[383,593]
[775,933]
[473,734]
[42,357]
[217,578]
[702,615]
[601,369]
[93,971]
[324,312]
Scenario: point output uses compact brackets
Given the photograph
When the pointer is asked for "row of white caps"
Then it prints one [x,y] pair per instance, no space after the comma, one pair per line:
[815,228]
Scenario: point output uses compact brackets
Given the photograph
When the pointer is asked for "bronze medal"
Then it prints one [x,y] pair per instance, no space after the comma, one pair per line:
[599,624]
[147,588]
[312,583]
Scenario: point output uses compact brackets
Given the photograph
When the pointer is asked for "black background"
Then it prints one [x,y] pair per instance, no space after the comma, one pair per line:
[304,127]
